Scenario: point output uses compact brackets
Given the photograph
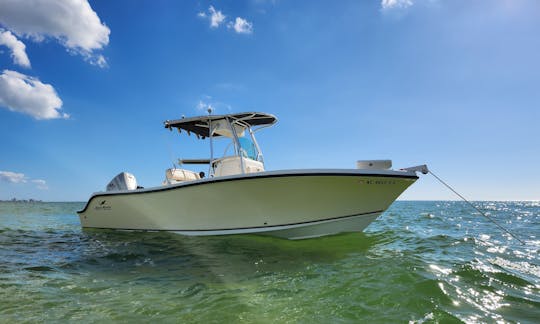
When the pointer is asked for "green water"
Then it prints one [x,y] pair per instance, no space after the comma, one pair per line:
[419,262]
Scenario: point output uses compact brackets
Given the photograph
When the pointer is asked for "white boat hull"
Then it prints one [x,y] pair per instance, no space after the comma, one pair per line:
[288,204]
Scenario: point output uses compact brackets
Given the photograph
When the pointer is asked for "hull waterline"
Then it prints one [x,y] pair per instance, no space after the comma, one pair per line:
[288,204]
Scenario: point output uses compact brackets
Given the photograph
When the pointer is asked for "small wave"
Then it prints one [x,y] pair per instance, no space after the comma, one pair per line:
[39,268]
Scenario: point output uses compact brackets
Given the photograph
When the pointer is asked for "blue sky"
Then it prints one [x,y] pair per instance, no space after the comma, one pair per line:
[85,87]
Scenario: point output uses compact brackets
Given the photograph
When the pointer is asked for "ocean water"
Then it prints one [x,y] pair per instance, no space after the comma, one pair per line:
[419,262]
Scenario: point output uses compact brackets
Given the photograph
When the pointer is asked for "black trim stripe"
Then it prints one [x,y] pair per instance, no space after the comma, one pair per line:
[241,178]
[241,228]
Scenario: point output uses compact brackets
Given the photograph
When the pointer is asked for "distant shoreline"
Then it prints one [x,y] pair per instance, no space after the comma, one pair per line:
[35,201]
[22,200]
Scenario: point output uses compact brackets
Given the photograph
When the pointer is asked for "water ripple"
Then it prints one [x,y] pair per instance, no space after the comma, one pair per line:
[420,262]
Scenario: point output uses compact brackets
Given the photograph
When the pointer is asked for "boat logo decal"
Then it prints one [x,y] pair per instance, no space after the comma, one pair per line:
[103,205]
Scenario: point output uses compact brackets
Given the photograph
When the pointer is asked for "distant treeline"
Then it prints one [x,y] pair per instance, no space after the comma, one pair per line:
[21,200]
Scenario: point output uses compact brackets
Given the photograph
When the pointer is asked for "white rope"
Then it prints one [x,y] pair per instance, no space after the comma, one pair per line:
[473,206]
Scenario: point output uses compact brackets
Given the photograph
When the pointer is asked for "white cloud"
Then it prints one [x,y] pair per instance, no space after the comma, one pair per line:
[241,26]
[73,23]
[396,4]
[215,17]
[28,95]
[40,184]
[18,49]
[204,106]
[98,60]
[12,177]
[209,103]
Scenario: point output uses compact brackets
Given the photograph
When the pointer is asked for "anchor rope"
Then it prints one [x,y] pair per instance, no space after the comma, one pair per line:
[476,208]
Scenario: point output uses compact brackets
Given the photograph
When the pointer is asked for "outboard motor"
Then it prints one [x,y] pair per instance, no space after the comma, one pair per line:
[123,181]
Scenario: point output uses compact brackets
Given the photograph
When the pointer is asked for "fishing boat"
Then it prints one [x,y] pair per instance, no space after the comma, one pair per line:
[239,196]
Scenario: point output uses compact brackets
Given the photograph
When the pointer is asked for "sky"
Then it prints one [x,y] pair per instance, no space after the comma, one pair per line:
[455,84]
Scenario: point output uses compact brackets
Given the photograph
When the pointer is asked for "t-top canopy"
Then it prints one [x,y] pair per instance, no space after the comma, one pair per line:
[200,125]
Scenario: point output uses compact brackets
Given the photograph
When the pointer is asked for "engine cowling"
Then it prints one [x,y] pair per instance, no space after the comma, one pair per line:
[123,181]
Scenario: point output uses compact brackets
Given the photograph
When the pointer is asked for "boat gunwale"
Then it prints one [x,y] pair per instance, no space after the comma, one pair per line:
[259,175]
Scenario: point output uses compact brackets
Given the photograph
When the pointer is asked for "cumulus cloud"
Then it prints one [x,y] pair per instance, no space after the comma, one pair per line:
[28,95]
[17,48]
[215,17]
[73,23]
[241,26]
[396,4]
[12,177]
